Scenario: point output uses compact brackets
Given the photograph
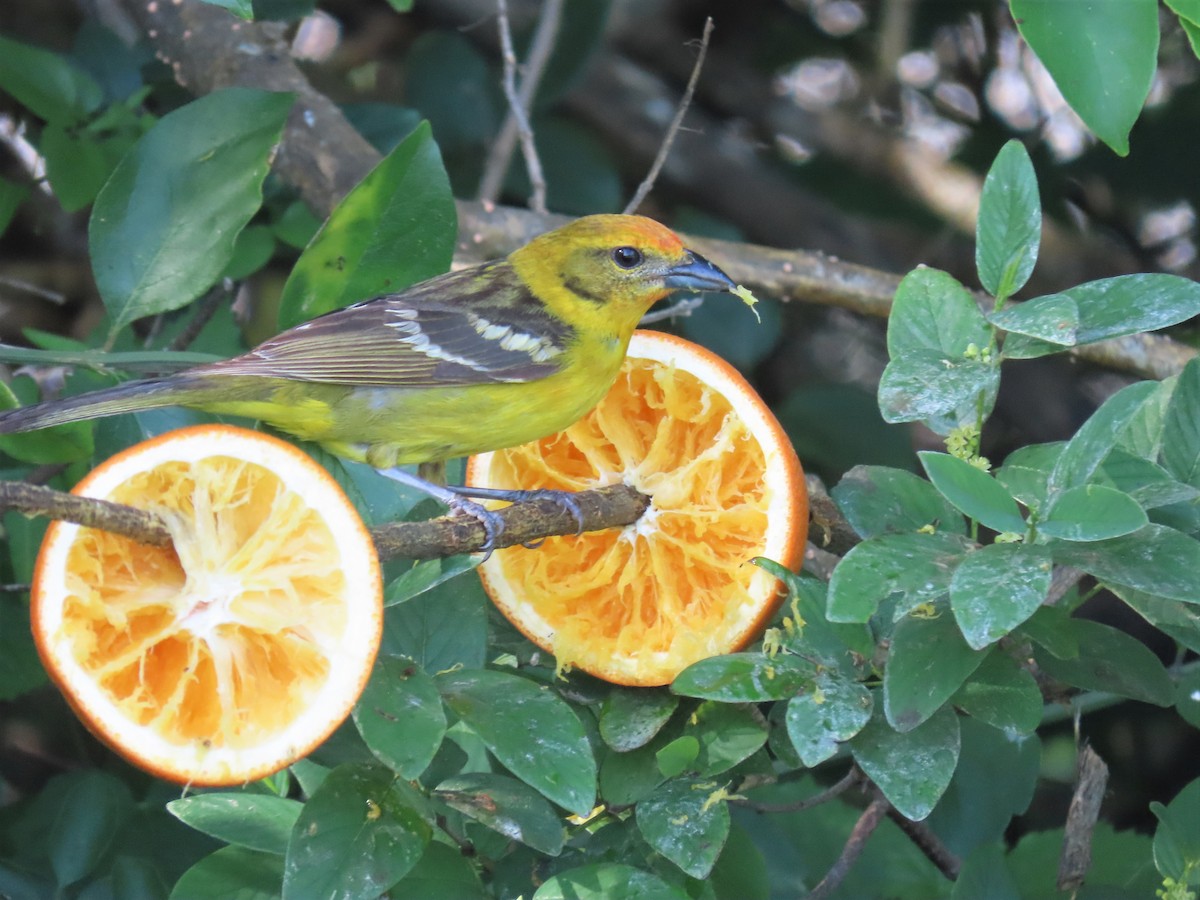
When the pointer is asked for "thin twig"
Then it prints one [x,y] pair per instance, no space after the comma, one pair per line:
[929,844]
[18,284]
[849,780]
[205,309]
[501,153]
[855,844]
[537,200]
[673,129]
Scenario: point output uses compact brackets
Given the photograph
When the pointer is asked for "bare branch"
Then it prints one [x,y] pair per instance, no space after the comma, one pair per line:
[929,844]
[849,780]
[516,109]
[855,844]
[539,53]
[647,184]
[608,507]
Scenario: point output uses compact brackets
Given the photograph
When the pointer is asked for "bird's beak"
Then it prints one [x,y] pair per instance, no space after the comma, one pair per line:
[697,274]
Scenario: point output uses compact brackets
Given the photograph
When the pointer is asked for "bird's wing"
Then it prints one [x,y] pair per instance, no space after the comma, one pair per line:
[476,326]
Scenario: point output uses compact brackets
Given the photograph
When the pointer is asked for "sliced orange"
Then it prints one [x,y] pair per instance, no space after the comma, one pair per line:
[638,605]
[236,651]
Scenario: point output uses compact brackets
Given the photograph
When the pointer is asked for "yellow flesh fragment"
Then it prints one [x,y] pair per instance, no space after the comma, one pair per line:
[705,474]
[225,638]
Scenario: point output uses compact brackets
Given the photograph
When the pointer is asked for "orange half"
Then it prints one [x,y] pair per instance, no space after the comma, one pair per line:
[237,650]
[637,605]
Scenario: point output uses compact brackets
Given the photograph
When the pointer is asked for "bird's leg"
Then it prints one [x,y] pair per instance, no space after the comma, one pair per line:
[565,499]
[493,525]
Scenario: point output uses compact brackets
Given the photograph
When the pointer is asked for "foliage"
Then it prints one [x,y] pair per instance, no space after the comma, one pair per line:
[470,768]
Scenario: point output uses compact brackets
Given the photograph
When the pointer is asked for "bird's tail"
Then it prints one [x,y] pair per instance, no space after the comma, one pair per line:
[150,393]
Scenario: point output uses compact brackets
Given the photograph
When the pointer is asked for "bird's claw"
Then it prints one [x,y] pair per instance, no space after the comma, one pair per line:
[493,524]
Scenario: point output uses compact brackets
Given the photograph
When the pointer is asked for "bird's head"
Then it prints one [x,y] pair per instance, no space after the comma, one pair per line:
[613,268]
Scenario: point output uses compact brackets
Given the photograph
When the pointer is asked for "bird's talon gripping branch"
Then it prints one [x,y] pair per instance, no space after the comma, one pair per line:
[493,524]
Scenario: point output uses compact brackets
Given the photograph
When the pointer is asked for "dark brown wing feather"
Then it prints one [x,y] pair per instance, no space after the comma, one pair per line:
[476,326]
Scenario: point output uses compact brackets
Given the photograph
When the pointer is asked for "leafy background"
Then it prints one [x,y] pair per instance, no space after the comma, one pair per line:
[947,646]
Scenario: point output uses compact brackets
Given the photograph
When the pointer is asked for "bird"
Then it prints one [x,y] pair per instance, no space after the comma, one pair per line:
[479,359]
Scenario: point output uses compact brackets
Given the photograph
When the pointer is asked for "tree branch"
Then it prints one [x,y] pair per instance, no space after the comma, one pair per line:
[855,844]
[609,507]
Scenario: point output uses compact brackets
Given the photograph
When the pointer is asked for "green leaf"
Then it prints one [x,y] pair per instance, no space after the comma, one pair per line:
[687,822]
[1053,318]
[1092,512]
[985,876]
[878,500]
[995,780]
[401,6]
[726,734]
[1102,55]
[1110,660]
[812,636]
[400,716]
[1181,427]
[12,195]
[1026,472]
[88,809]
[998,587]
[533,732]
[252,250]
[1085,452]
[1177,840]
[243,9]
[443,873]
[397,227]
[630,718]
[1002,694]
[1130,304]
[1009,228]
[933,311]
[1157,559]
[358,834]
[254,821]
[606,881]
[77,165]
[912,769]
[1148,483]
[929,385]
[1187,697]
[677,756]
[232,872]
[927,663]
[1050,627]
[975,492]
[507,806]
[163,227]
[834,711]
[917,567]
[443,627]
[1181,621]
[744,678]
[67,443]
[51,87]
[425,575]
[20,668]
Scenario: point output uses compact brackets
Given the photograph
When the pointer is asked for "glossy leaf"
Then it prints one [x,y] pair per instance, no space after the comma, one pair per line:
[998,587]
[687,822]
[1157,559]
[1101,54]
[917,567]
[605,881]
[1092,512]
[878,500]
[442,873]
[425,575]
[1181,621]
[533,732]
[834,711]
[400,716]
[397,227]
[507,806]
[1129,304]
[630,717]
[50,86]
[1053,318]
[1002,694]
[975,492]
[1026,472]
[726,734]
[85,812]
[443,627]
[1113,661]
[1009,228]
[933,311]
[1084,453]
[1148,483]
[744,678]
[912,769]
[927,384]
[1177,839]
[927,663]
[677,756]
[358,834]
[1181,427]
[232,872]
[155,250]
[254,821]
[985,876]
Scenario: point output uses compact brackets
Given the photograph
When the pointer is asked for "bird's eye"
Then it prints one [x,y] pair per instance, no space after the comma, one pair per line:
[627,257]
